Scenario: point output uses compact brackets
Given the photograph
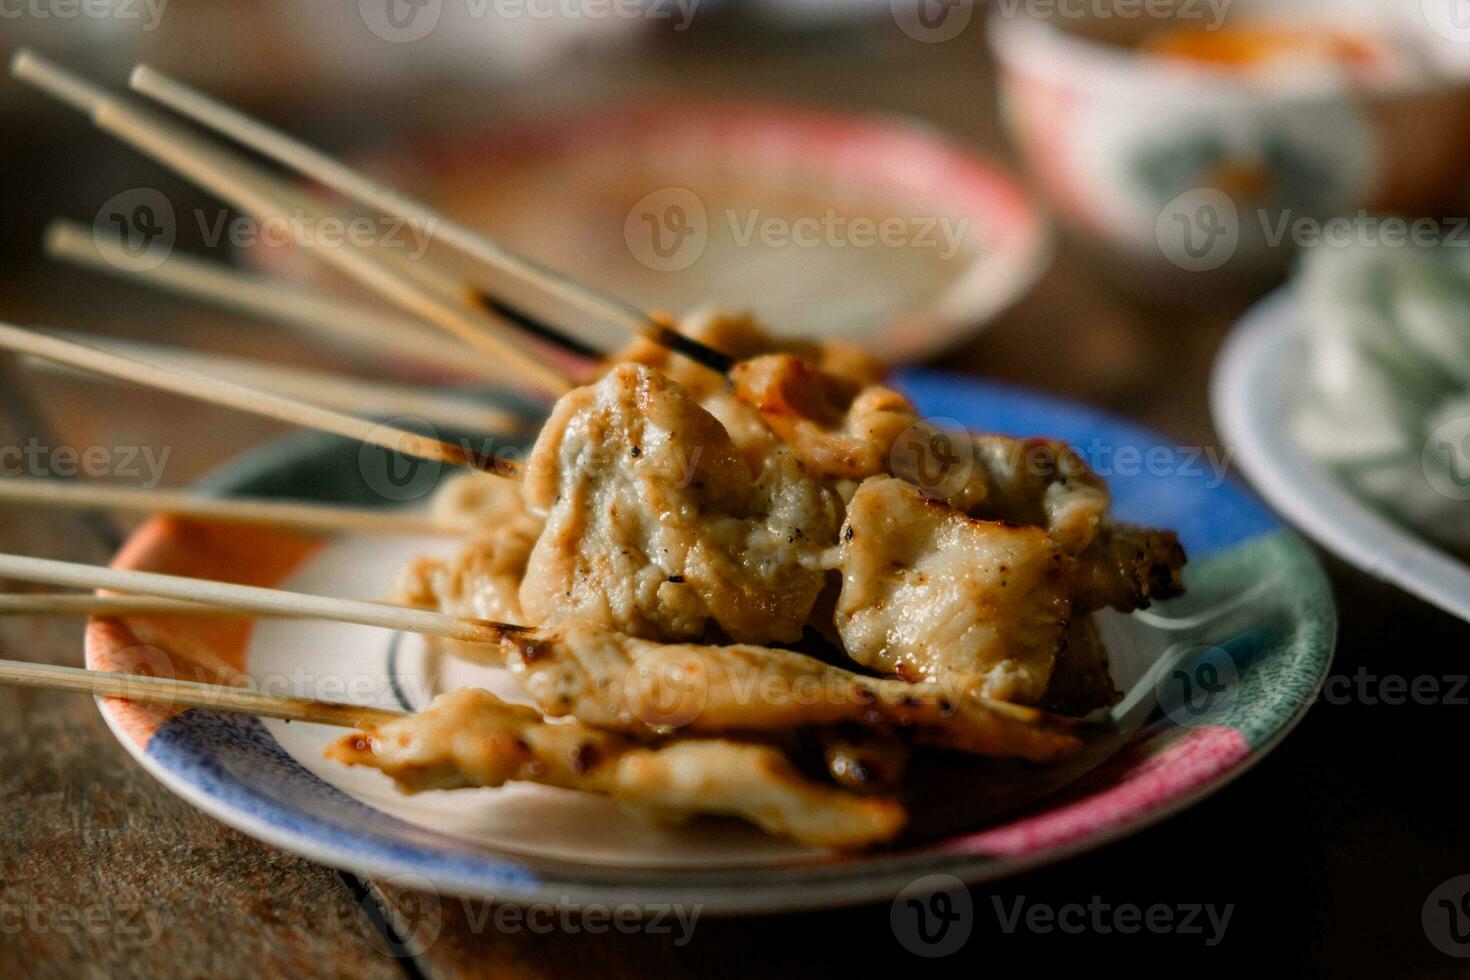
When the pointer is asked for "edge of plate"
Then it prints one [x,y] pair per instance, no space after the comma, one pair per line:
[1244,398]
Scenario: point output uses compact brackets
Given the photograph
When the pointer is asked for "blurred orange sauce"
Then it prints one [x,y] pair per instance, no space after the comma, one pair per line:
[1252,47]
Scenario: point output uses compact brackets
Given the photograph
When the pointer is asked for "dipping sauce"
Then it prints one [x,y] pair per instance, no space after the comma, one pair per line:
[1275,48]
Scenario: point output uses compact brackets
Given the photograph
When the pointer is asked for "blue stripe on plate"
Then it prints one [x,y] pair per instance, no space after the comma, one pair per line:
[237,763]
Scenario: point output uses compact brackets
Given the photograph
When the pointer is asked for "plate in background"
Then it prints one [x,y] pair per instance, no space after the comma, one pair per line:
[874,229]
[1253,391]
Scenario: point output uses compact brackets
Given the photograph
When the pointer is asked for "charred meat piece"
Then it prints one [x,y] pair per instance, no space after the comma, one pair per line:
[469,738]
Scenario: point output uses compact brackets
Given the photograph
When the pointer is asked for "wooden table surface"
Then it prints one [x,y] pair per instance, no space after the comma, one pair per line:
[1325,852]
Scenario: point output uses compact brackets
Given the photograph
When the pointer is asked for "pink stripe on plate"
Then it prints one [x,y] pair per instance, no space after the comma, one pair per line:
[1149,775]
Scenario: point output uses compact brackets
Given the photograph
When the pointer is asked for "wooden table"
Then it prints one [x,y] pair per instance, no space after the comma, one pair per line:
[1326,851]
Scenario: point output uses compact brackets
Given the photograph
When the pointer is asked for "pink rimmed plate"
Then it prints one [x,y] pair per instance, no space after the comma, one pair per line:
[877,230]
[1213,681]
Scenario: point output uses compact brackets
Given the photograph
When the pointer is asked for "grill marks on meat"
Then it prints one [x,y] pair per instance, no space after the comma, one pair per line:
[929,594]
[617,683]
[739,336]
[1040,482]
[654,525]
[469,738]
[1128,567]
[838,427]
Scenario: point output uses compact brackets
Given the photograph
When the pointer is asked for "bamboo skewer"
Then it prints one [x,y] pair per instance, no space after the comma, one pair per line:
[191,694]
[322,168]
[373,399]
[253,599]
[77,495]
[240,183]
[276,300]
[64,604]
[248,400]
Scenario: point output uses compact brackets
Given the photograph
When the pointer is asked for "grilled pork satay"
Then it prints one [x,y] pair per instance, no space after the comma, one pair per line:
[842,430]
[929,594]
[1036,482]
[470,738]
[655,526]
[864,761]
[483,580]
[742,338]
[618,683]
[839,428]
[1127,568]
[1081,682]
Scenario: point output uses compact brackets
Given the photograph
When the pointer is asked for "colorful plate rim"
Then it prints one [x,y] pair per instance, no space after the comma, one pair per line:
[1165,769]
[1248,404]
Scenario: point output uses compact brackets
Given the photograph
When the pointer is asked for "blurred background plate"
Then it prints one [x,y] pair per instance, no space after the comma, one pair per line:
[1256,385]
[871,229]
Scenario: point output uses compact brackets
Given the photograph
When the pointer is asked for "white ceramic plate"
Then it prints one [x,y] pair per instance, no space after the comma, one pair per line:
[1253,392]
